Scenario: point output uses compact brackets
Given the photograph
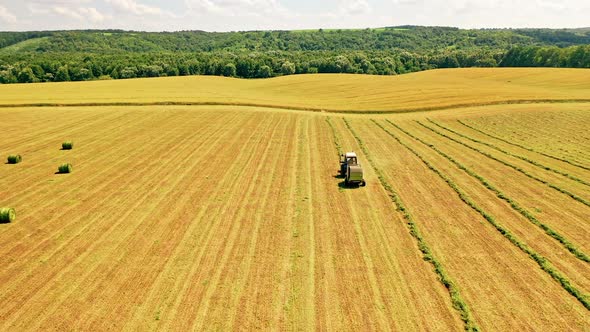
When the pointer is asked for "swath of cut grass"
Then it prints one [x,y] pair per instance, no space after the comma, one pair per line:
[15,158]
[515,205]
[64,168]
[7,215]
[523,146]
[516,168]
[543,263]
[67,145]
[530,161]
[457,300]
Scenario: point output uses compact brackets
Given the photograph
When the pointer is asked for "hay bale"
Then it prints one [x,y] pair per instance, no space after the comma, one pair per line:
[65,168]
[15,159]
[67,145]
[7,215]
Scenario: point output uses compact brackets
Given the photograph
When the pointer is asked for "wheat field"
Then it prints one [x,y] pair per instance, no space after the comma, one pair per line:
[222,209]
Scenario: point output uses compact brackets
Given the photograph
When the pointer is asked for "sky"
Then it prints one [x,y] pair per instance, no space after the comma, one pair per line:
[240,15]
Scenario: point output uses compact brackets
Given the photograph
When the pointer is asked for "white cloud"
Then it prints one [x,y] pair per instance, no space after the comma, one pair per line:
[134,7]
[406,2]
[551,4]
[7,16]
[236,15]
[67,12]
[92,14]
[234,7]
[82,13]
[354,7]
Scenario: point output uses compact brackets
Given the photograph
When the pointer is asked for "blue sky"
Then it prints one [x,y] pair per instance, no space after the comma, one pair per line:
[232,15]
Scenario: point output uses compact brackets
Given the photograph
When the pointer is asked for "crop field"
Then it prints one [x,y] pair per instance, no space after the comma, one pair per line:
[192,207]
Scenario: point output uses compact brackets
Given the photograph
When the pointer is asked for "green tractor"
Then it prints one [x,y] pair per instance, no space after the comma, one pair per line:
[351,170]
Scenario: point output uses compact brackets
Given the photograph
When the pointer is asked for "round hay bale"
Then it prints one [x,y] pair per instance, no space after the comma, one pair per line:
[65,168]
[67,145]
[15,159]
[7,215]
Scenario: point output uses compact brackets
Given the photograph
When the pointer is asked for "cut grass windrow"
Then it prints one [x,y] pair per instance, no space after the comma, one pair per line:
[543,263]
[547,183]
[456,298]
[530,161]
[336,140]
[523,147]
[517,207]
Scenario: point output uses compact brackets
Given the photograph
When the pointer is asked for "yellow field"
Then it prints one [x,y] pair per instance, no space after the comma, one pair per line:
[203,217]
[424,90]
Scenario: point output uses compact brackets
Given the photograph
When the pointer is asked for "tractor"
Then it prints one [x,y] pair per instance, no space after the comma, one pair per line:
[351,170]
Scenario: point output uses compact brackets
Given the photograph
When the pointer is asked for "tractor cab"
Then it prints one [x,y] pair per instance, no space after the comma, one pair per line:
[349,158]
[350,169]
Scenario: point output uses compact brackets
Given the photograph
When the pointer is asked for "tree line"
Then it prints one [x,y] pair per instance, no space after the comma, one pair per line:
[112,54]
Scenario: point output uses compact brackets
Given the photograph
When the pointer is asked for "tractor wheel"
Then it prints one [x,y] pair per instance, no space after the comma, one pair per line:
[363,183]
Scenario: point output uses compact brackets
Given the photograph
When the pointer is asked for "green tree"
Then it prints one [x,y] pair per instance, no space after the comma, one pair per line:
[26,76]
[288,68]
[264,72]
[229,70]
[63,74]
[128,72]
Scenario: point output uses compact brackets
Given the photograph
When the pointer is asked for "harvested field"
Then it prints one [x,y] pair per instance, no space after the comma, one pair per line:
[232,217]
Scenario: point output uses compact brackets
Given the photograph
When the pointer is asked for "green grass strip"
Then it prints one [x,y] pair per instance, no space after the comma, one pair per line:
[523,147]
[456,298]
[336,140]
[517,207]
[530,161]
[550,185]
[543,263]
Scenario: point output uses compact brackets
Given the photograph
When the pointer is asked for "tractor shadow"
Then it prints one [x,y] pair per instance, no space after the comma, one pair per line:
[343,186]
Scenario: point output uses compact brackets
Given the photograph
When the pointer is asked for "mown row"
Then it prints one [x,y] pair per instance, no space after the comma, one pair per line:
[250,227]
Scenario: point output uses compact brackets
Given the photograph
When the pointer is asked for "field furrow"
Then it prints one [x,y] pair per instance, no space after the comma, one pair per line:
[551,206]
[471,249]
[190,208]
[299,306]
[97,222]
[514,205]
[535,153]
[559,133]
[184,258]
[573,274]
[214,272]
[550,174]
[402,240]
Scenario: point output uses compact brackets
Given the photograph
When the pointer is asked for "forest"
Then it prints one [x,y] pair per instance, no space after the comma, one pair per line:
[81,55]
